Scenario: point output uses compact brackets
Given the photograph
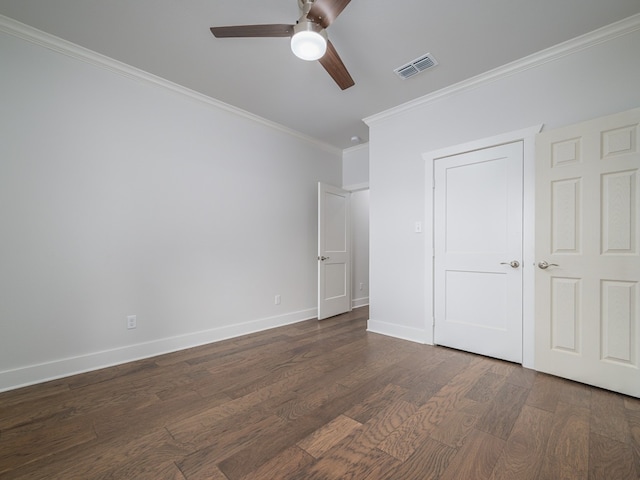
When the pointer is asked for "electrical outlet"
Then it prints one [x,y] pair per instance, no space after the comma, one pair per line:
[362,286]
[277,300]
[131,322]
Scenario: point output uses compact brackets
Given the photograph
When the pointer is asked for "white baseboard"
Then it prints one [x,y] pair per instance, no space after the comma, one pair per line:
[359,302]
[397,331]
[32,374]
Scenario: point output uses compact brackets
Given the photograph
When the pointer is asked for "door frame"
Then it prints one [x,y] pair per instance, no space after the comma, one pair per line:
[332,309]
[527,136]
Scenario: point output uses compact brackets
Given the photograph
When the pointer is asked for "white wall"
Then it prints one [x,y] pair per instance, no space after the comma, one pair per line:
[355,177]
[122,197]
[588,78]
[355,167]
[360,248]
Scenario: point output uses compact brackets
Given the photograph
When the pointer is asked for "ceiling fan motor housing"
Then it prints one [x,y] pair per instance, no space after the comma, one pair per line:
[309,40]
[305,6]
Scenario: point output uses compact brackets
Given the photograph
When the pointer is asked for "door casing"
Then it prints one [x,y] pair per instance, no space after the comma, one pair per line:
[527,136]
[477,294]
[334,251]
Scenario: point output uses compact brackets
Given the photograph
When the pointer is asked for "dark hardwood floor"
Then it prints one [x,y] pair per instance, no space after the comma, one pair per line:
[318,400]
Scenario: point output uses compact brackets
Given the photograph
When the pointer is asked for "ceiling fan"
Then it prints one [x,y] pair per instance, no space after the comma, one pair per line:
[309,39]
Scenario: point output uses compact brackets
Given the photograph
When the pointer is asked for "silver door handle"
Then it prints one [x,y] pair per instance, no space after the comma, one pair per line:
[544,265]
[512,263]
[323,258]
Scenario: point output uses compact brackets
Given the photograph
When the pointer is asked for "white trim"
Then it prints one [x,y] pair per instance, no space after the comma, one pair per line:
[527,136]
[51,42]
[482,143]
[24,376]
[362,146]
[396,331]
[601,35]
[359,302]
[356,187]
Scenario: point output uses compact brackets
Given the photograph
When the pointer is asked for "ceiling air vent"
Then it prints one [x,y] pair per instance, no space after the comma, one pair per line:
[416,66]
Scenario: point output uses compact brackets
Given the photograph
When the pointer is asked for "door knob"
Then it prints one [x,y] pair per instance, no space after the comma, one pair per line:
[323,258]
[512,263]
[544,265]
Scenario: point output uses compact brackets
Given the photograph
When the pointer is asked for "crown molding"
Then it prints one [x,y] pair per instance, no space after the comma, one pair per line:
[355,148]
[596,37]
[64,47]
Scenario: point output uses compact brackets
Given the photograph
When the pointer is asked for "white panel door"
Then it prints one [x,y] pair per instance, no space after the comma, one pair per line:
[334,251]
[587,252]
[478,251]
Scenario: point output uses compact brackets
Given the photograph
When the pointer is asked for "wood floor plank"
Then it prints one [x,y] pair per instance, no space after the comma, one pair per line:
[38,441]
[545,392]
[100,458]
[610,459]
[522,377]
[149,416]
[430,459]
[486,387]
[380,426]
[454,429]
[230,413]
[250,459]
[421,392]
[402,442]
[376,402]
[574,393]
[567,455]
[208,471]
[526,446]
[302,405]
[328,436]
[356,456]
[284,466]
[353,461]
[153,468]
[351,458]
[449,368]
[608,415]
[503,411]
[32,393]
[476,459]
[502,367]
[70,404]
[119,372]
[633,417]
[365,406]
[267,445]
[222,445]
[631,403]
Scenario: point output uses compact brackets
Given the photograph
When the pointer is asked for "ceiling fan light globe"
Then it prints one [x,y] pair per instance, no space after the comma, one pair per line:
[308,45]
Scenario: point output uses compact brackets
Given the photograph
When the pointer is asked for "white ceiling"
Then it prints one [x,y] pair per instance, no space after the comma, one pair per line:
[171,39]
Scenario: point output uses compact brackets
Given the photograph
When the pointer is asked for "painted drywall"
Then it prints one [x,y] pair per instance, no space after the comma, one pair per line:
[360,248]
[591,79]
[355,177]
[121,197]
[355,167]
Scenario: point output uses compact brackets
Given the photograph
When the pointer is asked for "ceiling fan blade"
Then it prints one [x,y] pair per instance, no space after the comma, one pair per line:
[273,30]
[334,66]
[324,12]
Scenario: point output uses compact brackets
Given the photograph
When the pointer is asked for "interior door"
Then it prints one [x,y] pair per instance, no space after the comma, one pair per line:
[334,251]
[478,198]
[587,252]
